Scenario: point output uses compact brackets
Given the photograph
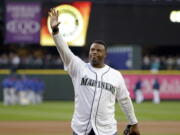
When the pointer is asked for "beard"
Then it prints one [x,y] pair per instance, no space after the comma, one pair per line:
[95,61]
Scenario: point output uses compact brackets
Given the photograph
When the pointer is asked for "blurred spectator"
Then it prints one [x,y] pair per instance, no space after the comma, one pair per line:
[129,63]
[163,63]
[156,86]
[170,63]
[178,63]
[138,92]
[4,61]
[39,88]
[146,63]
[21,92]
[14,61]
[48,61]
[9,91]
[57,62]
[26,61]
[38,62]
[155,64]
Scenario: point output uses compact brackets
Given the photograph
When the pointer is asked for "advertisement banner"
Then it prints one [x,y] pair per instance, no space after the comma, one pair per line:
[23,22]
[169,85]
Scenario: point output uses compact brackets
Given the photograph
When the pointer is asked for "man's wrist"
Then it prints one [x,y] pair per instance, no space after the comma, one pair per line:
[55,29]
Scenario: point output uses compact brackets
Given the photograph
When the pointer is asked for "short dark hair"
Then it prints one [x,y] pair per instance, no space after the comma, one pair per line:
[101,42]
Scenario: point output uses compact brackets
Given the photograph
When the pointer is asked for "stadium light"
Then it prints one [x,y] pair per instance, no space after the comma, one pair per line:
[175,16]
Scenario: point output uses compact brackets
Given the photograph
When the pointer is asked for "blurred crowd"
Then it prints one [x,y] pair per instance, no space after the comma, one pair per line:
[22,90]
[14,60]
[161,63]
[30,61]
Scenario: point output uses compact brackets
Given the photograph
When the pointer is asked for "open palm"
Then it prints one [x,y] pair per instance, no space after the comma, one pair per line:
[53,14]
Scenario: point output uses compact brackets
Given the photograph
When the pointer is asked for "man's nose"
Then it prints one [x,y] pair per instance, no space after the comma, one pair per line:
[94,51]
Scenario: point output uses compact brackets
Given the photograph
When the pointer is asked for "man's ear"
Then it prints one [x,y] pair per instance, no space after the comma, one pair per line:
[105,55]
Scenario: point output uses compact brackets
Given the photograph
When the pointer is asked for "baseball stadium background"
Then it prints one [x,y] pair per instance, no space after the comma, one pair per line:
[143,43]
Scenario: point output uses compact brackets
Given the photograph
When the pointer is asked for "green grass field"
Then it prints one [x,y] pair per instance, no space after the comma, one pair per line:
[62,111]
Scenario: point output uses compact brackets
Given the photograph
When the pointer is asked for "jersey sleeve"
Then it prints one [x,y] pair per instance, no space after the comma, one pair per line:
[125,102]
[122,91]
[72,63]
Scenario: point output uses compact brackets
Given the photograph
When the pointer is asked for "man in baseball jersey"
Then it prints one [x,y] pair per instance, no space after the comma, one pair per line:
[96,87]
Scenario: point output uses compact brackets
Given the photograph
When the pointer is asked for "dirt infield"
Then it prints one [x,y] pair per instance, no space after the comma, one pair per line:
[63,128]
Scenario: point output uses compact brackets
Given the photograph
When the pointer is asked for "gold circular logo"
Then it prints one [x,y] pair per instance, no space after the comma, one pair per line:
[71,22]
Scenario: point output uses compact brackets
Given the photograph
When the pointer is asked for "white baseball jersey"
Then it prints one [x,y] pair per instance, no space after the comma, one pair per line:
[95,92]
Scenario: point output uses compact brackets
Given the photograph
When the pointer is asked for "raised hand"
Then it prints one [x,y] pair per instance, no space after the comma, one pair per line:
[53,14]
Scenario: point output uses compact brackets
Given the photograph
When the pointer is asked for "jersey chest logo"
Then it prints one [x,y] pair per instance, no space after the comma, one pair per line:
[99,84]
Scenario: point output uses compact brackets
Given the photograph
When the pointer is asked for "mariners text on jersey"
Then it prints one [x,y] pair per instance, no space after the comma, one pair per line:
[103,85]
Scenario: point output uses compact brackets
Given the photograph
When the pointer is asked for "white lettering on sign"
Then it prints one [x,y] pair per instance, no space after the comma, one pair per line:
[23,26]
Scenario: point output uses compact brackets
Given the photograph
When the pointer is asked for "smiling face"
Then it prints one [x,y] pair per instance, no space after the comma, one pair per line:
[97,54]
